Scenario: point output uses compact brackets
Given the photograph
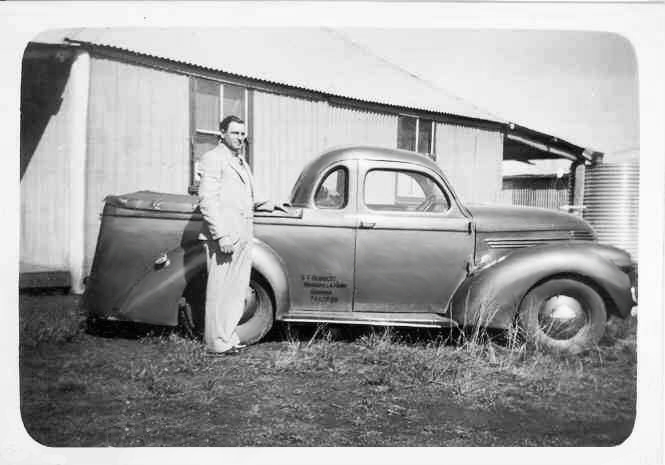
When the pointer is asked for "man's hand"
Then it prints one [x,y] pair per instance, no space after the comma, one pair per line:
[225,245]
[269,206]
[264,206]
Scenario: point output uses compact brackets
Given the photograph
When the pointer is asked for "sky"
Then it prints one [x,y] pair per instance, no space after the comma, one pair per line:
[580,86]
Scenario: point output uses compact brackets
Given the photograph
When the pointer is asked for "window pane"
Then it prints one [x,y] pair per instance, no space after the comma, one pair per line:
[425,136]
[409,194]
[333,190]
[380,189]
[405,191]
[407,187]
[206,104]
[233,101]
[435,200]
[406,133]
[202,144]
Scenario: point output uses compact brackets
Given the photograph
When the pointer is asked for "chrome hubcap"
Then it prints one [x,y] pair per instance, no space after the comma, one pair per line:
[562,317]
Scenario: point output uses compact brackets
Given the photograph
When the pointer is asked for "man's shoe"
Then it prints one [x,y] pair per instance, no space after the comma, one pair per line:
[212,353]
[235,350]
[232,351]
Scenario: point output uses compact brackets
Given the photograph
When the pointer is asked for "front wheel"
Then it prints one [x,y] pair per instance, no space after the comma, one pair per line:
[563,315]
[257,318]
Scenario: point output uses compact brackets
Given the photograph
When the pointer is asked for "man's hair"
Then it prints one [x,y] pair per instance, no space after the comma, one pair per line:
[224,124]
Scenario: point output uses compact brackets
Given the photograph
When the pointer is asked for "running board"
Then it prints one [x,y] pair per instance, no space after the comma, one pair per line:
[419,320]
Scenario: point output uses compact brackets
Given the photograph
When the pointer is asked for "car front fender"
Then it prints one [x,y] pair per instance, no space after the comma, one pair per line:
[491,296]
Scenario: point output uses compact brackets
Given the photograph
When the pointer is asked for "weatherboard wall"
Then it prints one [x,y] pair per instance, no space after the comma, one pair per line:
[471,159]
[46,181]
[138,136]
[348,125]
[289,131]
[540,191]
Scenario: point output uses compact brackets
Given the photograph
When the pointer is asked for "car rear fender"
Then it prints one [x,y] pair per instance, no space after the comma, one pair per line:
[154,299]
[270,266]
[491,295]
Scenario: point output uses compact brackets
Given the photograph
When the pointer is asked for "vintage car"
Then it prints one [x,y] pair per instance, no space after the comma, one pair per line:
[370,236]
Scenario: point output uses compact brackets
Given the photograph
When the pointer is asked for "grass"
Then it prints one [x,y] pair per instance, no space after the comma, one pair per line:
[398,359]
[49,318]
[317,385]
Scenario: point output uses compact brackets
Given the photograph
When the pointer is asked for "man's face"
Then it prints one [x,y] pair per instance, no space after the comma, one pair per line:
[234,136]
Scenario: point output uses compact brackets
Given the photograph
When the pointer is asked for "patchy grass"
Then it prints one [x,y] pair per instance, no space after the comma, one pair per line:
[49,318]
[316,386]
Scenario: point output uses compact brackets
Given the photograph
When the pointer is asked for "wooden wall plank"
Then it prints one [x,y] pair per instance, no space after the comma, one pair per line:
[471,158]
[45,184]
[138,136]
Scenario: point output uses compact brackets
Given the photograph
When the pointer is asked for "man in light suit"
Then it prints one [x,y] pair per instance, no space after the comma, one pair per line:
[226,192]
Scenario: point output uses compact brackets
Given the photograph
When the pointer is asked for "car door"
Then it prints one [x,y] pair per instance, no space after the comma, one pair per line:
[318,249]
[412,242]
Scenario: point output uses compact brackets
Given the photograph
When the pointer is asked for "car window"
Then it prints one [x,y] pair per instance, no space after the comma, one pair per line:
[407,191]
[332,191]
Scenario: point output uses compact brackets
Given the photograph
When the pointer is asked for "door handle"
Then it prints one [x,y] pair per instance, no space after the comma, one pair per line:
[162,261]
[367,224]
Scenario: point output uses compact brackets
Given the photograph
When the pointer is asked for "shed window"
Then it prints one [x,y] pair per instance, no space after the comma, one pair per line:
[211,101]
[416,134]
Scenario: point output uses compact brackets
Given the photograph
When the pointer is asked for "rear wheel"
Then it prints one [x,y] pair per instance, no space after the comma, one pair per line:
[255,322]
[563,315]
[258,316]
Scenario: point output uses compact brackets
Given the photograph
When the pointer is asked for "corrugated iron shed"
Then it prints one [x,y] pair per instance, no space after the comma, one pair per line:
[316,59]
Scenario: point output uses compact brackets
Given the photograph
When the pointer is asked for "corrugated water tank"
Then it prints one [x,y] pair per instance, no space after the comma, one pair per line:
[611,202]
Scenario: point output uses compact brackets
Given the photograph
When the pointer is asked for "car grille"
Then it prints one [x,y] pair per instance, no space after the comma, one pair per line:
[516,243]
[581,235]
[512,243]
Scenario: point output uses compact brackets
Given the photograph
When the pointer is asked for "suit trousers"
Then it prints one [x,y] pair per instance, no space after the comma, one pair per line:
[228,281]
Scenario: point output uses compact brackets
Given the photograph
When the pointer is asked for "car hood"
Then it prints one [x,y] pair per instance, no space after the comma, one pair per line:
[506,218]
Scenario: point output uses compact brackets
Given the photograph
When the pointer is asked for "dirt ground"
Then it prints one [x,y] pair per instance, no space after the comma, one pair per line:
[309,386]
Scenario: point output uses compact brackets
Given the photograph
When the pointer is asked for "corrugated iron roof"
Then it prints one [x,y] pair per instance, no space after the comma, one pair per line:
[321,60]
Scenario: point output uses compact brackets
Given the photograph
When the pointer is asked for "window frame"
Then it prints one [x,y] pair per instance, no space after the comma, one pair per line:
[324,177]
[194,131]
[432,153]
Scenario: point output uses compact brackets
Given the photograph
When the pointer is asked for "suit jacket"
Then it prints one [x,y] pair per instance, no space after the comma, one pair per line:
[226,196]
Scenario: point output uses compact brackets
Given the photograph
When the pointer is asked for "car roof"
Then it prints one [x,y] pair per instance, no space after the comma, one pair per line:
[302,190]
[368,152]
